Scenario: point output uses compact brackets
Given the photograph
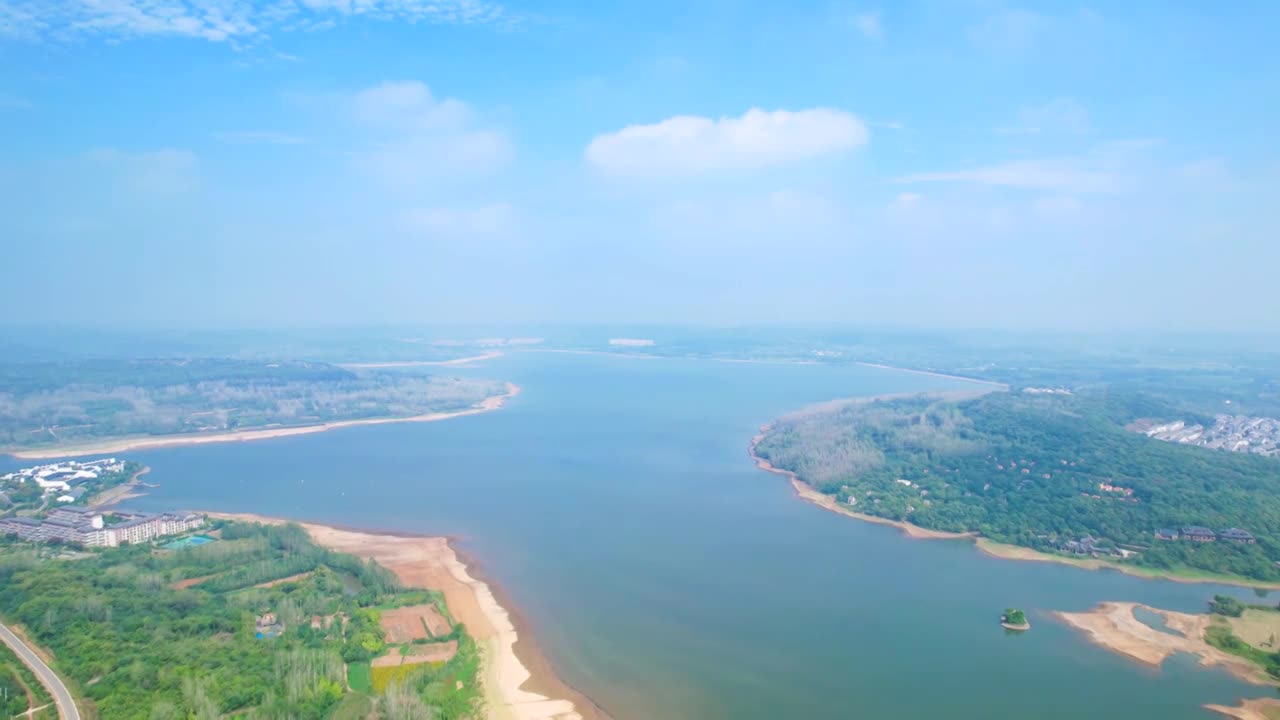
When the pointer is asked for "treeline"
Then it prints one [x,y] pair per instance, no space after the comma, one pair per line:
[1030,470]
[43,404]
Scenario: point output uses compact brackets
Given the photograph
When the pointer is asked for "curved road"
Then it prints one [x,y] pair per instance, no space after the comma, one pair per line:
[61,696]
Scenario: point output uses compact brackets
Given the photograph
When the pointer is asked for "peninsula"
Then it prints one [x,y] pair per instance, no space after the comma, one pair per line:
[1013,466]
[94,407]
[516,680]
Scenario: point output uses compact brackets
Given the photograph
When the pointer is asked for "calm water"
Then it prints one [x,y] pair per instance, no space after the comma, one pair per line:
[666,577]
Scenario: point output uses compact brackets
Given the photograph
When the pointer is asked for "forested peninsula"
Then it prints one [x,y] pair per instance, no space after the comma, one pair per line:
[1056,473]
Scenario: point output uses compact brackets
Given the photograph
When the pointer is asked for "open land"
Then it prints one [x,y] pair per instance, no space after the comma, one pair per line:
[142,443]
[430,562]
[1113,626]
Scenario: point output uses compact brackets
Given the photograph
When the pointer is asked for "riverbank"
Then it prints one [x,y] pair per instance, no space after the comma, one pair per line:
[1113,625]
[519,683]
[118,445]
[930,373]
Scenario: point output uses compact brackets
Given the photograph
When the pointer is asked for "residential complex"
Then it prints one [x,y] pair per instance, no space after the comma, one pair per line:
[1237,433]
[85,526]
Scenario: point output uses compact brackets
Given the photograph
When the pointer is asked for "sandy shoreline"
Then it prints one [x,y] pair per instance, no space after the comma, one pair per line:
[930,373]
[1112,625]
[456,362]
[1254,709]
[519,683]
[144,443]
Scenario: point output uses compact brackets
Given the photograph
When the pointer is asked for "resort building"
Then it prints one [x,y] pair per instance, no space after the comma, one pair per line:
[1167,534]
[1237,535]
[1196,533]
[83,526]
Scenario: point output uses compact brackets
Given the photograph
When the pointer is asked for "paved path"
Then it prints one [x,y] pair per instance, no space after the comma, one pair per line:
[61,696]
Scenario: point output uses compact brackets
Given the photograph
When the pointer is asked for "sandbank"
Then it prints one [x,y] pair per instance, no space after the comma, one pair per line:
[423,363]
[1114,626]
[1254,709]
[930,373]
[507,671]
[117,445]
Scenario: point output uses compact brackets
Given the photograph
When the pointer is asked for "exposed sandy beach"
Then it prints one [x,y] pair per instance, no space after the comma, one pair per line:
[930,373]
[423,363]
[1113,626]
[1255,709]
[508,671]
[141,443]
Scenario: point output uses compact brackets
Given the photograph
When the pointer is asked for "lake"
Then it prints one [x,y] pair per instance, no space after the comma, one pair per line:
[667,578]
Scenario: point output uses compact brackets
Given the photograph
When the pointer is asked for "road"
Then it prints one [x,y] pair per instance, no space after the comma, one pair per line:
[66,706]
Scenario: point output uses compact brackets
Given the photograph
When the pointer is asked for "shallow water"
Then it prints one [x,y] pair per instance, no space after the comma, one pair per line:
[666,577]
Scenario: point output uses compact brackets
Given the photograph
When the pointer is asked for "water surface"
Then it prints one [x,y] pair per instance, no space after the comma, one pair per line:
[667,578]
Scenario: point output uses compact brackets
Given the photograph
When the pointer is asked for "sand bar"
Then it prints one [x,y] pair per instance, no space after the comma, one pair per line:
[456,362]
[1114,626]
[1254,709]
[148,442]
[430,562]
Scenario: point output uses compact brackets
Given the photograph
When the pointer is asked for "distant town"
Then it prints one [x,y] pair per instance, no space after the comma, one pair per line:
[1236,433]
[50,503]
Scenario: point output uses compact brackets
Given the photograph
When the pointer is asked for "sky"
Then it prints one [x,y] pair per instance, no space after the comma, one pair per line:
[949,164]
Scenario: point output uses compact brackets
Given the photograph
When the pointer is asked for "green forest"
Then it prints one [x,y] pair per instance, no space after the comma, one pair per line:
[139,632]
[1038,471]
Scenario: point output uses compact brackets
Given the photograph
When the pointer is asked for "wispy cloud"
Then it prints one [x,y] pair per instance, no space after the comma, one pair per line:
[418,137]
[1068,175]
[1010,30]
[1061,116]
[690,145]
[868,24]
[233,21]
[252,137]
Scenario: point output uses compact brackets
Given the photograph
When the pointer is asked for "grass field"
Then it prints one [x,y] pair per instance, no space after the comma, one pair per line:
[360,677]
[384,676]
[1258,628]
[354,706]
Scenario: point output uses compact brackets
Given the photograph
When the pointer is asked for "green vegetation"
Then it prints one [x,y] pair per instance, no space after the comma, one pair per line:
[1226,605]
[47,404]
[16,681]
[1014,616]
[1041,472]
[139,646]
[1219,635]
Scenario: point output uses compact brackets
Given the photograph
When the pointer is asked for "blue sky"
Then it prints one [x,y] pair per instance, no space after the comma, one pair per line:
[218,163]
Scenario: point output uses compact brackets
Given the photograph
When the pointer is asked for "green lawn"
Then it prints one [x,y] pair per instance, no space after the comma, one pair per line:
[360,676]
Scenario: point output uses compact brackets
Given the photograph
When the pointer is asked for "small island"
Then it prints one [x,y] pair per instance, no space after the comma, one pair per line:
[1014,619]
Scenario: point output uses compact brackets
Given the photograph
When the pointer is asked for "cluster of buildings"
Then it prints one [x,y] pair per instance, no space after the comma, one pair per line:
[67,478]
[1197,533]
[1237,433]
[85,526]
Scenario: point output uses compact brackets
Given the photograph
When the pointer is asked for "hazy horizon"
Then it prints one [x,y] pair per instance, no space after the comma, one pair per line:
[1038,166]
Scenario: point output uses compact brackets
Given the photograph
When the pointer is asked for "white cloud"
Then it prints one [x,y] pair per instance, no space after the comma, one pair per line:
[483,220]
[151,173]
[420,138]
[235,21]
[252,137]
[691,145]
